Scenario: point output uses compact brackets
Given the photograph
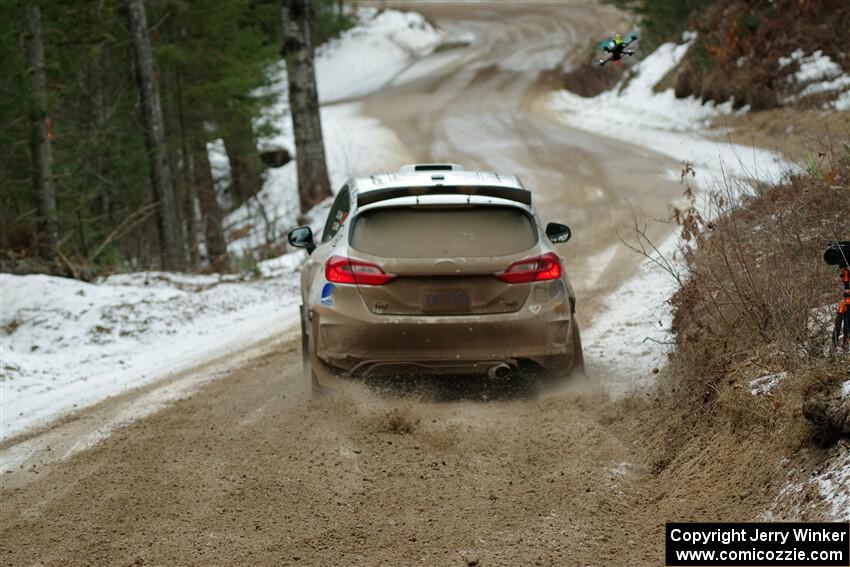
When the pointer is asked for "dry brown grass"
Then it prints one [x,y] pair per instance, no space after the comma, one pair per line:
[757,281]
[749,307]
[758,300]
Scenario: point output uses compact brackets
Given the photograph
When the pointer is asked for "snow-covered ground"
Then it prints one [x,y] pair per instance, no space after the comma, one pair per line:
[767,383]
[634,334]
[67,343]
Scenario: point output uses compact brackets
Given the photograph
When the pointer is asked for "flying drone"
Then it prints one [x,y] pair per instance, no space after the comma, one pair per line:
[617,47]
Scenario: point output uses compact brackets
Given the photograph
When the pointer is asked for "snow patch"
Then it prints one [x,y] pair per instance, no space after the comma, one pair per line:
[67,343]
[766,384]
[832,485]
[633,104]
[220,171]
[818,73]
[816,66]
[845,389]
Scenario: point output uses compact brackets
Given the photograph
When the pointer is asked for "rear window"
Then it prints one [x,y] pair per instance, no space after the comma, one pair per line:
[422,232]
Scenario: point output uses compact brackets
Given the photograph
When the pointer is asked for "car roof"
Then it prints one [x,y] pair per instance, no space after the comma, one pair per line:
[433,175]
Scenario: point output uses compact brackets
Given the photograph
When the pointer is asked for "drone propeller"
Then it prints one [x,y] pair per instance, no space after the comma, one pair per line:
[605,44]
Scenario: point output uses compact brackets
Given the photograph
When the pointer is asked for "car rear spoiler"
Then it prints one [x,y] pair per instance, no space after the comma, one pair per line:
[509,193]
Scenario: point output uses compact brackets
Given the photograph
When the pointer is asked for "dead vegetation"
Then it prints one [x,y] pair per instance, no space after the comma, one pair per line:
[750,398]
[758,299]
[737,52]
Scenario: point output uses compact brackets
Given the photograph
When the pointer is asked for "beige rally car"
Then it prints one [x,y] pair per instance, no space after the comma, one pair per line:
[435,269]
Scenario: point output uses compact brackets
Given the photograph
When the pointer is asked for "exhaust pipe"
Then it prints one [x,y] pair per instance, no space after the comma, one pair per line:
[500,370]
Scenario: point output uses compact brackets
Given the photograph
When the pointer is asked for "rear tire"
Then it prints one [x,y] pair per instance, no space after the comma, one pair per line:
[564,367]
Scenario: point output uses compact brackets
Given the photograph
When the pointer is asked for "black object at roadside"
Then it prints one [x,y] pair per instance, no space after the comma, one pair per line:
[838,254]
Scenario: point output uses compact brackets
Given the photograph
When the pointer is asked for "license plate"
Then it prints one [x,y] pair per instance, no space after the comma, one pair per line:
[455,300]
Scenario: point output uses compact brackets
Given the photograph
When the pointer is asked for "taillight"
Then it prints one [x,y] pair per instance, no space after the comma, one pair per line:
[537,269]
[340,269]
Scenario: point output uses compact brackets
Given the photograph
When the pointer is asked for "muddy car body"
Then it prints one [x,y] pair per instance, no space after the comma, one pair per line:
[435,269]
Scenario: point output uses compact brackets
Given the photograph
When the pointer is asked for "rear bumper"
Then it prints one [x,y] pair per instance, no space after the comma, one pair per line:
[360,342]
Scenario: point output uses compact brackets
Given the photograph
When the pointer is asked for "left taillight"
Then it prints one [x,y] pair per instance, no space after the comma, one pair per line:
[537,269]
[340,269]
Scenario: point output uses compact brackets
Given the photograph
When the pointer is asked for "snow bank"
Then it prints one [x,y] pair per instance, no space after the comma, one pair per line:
[370,55]
[67,343]
[834,486]
[634,104]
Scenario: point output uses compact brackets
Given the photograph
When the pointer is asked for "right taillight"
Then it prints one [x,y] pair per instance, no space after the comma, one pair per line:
[537,269]
[340,269]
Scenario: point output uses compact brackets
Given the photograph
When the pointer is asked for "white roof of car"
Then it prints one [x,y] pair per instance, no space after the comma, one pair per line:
[433,175]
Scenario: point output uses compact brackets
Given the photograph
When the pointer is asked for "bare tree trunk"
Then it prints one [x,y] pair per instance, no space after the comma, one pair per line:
[313,183]
[213,217]
[171,246]
[42,158]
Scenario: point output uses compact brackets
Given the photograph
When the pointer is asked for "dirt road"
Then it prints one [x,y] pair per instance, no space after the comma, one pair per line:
[239,470]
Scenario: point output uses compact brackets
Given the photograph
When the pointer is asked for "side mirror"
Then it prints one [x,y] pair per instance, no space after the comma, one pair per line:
[558,233]
[302,237]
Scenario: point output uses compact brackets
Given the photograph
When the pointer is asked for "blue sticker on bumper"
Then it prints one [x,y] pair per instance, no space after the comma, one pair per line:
[328,293]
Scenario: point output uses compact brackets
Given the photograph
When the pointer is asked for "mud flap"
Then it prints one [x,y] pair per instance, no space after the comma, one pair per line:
[309,382]
[578,353]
